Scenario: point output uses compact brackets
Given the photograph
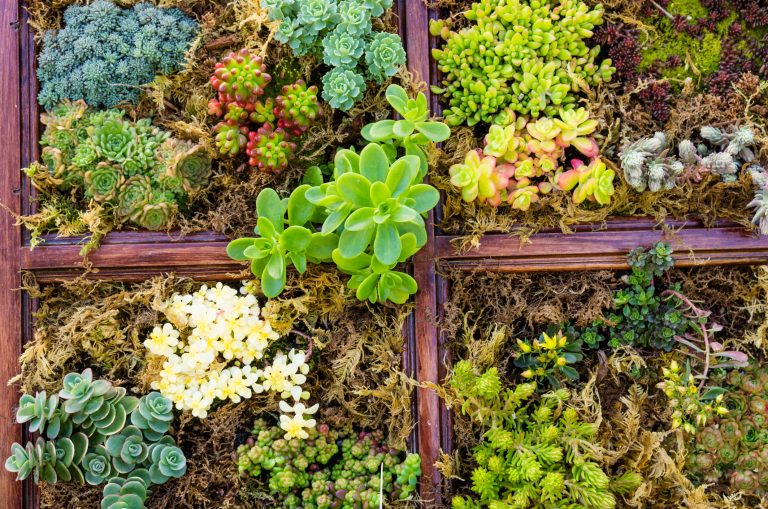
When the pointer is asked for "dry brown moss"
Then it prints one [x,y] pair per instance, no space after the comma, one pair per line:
[356,372]
[488,311]
[179,102]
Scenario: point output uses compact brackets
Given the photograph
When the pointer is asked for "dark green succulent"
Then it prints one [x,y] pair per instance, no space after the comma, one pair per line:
[97,466]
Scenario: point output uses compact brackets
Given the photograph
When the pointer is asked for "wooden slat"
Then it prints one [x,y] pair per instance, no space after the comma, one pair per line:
[10,240]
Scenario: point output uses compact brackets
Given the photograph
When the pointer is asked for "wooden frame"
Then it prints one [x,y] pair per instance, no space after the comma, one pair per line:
[134,256]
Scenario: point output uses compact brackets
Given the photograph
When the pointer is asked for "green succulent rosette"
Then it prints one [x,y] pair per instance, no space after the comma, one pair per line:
[191,164]
[114,139]
[342,88]
[103,182]
[133,195]
[156,216]
[153,416]
[97,466]
[385,54]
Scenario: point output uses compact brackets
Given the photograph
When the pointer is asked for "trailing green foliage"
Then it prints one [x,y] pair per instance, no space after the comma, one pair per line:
[104,53]
[264,127]
[337,468]
[370,215]
[134,168]
[527,57]
[533,454]
[341,34]
[85,437]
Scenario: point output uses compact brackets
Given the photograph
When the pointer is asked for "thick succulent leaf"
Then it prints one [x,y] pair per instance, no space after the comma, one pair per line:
[403,128]
[398,98]
[425,196]
[386,245]
[236,248]
[295,238]
[346,161]
[379,193]
[360,219]
[299,261]
[336,218]
[268,229]
[272,281]
[313,176]
[352,265]
[270,206]
[321,246]
[353,243]
[402,174]
[434,131]
[374,163]
[300,210]
[378,131]
[367,287]
[355,189]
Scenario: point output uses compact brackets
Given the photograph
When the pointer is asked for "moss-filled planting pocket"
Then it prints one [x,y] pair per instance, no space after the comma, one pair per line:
[176,115]
[607,389]
[568,112]
[175,393]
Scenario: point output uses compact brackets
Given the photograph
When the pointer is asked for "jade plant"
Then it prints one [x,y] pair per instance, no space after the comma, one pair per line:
[528,57]
[104,53]
[341,34]
[531,454]
[92,432]
[265,128]
[521,161]
[730,447]
[134,169]
[370,217]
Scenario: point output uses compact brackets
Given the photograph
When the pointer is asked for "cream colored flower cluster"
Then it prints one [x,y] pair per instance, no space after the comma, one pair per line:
[214,337]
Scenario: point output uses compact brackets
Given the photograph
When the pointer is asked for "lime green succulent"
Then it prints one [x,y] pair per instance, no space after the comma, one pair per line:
[516,55]
[593,182]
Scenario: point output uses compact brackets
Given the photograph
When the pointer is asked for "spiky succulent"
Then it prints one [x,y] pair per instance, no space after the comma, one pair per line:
[517,56]
[530,453]
[297,107]
[240,77]
[104,54]
[269,150]
[348,467]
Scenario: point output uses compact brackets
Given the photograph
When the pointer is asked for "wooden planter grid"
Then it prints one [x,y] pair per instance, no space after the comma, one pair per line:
[136,255]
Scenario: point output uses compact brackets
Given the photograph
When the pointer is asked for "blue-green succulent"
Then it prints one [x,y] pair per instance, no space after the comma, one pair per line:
[342,88]
[385,54]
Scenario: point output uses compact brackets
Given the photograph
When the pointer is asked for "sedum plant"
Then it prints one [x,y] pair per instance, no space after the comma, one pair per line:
[104,53]
[730,447]
[133,168]
[265,128]
[521,161]
[331,467]
[341,34]
[691,409]
[531,454]
[528,57]
[86,436]
[367,218]
[548,358]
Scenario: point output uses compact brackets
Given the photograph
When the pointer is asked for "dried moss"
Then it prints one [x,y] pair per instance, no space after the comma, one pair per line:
[487,311]
[356,372]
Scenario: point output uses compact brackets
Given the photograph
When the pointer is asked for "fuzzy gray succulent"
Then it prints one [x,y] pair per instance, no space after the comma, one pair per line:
[738,143]
[760,202]
[648,165]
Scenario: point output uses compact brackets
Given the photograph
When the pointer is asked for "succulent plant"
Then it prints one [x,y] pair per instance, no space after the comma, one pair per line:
[103,182]
[97,466]
[342,88]
[268,149]
[43,415]
[413,131]
[156,215]
[593,182]
[127,449]
[384,55]
[102,45]
[529,452]
[166,461]
[348,467]
[760,205]
[153,416]
[133,195]
[188,162]
[342,49]
[231,138]
[575,125]
[478,179]
[49,460]
[297,107]
[240,77]
[647,164]
[125,493]
[691,410]
[548,358]
[516,56]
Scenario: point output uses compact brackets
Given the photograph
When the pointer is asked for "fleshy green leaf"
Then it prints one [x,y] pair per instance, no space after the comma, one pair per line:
[386,245]
[378,131]
[346,161]
[355,189]
[353,243]
[321,246]
[425,196]
[295,238]
[236,248]
[299,208]
[401,174]
[434,131]
[403,128]
[299,261]
[374,163]
[275,266]
[398,98]
[269,205]
[360,219]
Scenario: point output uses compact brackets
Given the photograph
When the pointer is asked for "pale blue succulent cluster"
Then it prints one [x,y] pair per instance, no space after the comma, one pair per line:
[104,53]
[341,34]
